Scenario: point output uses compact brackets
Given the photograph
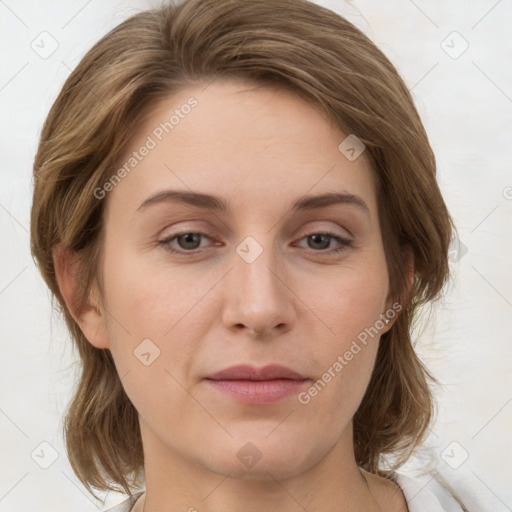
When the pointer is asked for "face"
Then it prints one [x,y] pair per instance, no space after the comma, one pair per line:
[190,289]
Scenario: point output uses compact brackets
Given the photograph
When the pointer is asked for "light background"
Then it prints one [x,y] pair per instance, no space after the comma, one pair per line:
[466,104]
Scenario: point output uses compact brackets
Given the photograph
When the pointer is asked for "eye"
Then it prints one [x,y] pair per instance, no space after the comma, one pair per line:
[321,241]
[189,241]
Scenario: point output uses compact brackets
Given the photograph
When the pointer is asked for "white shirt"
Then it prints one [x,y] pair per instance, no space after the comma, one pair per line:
[421,496]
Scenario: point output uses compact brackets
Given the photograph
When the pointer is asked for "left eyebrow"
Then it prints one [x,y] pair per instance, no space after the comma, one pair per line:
[323,200]
[217,203]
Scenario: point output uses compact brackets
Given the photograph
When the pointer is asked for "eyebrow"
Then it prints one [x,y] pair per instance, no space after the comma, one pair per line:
[216,203]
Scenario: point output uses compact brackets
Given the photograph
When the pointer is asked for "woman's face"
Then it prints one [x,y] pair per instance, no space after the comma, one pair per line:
[254,283]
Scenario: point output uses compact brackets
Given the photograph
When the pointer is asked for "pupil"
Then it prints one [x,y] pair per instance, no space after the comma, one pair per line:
[326,238]
[192,238]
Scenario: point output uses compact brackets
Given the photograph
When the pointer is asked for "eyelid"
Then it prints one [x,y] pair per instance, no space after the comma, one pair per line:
[306,232]
[173,236]
[336,232]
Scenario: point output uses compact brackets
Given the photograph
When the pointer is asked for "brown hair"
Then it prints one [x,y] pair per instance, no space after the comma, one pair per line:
[295,44]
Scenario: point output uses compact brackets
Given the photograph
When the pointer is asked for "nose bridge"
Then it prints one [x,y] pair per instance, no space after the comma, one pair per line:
[257,297]
[254,266]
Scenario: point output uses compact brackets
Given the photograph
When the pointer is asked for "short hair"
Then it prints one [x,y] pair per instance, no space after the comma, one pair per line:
[311,51]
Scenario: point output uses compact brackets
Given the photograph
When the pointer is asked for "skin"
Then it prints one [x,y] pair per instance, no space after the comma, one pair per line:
[297,304]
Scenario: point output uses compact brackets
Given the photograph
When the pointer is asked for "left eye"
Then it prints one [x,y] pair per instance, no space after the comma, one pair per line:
[316,238]
[191,241]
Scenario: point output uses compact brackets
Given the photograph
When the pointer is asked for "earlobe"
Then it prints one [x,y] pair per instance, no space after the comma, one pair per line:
[88,313]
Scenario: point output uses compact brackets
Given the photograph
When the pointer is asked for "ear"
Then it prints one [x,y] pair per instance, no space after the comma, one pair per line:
[88,314]
[396,306]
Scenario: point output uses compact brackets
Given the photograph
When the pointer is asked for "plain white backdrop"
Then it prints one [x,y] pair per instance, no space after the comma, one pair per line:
[456,57]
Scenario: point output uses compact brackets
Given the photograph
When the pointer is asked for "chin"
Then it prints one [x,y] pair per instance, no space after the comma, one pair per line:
[259,458]
[262,471]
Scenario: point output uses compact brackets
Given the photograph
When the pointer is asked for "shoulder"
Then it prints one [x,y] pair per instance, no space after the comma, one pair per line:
[428,493]
[127,504]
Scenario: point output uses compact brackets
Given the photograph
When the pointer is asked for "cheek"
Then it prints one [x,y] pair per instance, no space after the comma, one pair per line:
[149,322]
[344,357]
[347,328]
[346,301]
[151,301]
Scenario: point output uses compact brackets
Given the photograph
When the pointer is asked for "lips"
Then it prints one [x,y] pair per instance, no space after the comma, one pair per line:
[257,386]
[248,372]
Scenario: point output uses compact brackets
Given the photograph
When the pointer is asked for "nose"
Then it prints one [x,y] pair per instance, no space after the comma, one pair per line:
[257,296]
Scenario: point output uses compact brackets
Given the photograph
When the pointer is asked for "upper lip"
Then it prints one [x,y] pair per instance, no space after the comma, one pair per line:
[248,372]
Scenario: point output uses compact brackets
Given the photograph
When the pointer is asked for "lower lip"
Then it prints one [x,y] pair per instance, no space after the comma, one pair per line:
[258,391]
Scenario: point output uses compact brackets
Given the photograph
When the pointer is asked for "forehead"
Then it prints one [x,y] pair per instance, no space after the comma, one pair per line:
[244,141]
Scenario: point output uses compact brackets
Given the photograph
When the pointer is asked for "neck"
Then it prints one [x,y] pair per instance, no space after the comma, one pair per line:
[331,484]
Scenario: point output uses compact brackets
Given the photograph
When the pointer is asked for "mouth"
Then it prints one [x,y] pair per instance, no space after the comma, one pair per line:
[249,372]
[254,386]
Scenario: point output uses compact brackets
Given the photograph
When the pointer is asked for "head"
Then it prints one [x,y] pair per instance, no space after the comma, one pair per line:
[252,102]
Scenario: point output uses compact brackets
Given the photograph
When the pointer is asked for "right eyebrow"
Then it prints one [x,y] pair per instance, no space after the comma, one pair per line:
[192,198]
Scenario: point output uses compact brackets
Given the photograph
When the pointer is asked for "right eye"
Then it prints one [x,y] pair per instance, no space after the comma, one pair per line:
[188,240]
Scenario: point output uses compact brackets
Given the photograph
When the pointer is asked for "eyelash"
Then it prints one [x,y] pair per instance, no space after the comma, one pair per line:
[344,243]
